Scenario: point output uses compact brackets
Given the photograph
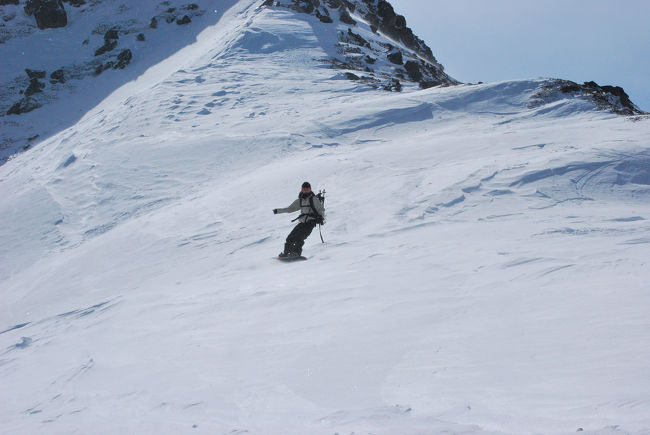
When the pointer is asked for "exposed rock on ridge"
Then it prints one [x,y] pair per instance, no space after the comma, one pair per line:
[401,54]
[611,98]
[49,14]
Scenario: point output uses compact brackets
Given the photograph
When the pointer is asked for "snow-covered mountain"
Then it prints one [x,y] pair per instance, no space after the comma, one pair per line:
[485,260]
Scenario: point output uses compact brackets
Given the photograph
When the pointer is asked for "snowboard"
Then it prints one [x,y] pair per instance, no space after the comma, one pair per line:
[292,259]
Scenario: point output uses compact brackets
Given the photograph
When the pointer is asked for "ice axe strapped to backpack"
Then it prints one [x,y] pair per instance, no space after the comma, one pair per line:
[321,219]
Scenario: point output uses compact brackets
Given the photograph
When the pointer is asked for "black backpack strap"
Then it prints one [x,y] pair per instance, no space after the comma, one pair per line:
[316,215]
[311,204]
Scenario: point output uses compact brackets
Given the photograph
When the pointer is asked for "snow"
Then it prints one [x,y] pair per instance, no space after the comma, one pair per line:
[485,266]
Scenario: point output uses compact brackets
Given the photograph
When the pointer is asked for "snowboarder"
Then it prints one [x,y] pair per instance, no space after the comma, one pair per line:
[312,212]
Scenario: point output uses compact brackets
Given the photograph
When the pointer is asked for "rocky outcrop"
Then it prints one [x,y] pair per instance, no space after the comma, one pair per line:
[185,20]
[611,98]
[49,14]
[57,76]
[180,16]
[110,42]
[123,59]
[25,105]
[382,16]
[396,58]
[35,85]
[603,95]
[35,74]
[395,52]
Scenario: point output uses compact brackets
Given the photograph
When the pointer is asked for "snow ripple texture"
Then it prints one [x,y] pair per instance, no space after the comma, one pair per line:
[485,265]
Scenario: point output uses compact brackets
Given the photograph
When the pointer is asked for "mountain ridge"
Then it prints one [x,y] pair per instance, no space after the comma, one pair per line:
[365,51]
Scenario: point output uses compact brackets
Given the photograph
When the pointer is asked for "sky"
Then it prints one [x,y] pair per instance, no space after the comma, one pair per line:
[605,41]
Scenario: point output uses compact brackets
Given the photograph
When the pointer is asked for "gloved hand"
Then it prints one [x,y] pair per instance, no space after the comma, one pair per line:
[275,211]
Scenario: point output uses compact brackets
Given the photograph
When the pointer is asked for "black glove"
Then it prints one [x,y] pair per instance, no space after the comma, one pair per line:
[275,211]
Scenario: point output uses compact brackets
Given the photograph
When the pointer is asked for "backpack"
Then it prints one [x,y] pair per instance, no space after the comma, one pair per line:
[320,220]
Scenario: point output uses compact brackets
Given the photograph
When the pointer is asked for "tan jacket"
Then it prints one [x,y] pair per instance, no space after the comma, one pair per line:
[302,204]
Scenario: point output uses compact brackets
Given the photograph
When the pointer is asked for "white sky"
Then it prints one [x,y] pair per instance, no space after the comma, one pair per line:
[478,40]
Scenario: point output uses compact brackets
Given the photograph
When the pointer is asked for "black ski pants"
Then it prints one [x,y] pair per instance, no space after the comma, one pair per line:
[296,239]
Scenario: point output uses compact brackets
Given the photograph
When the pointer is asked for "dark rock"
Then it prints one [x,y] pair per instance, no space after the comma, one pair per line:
[570,87]
[23,106]
[154,23]
[268,3]
[394,85]
[140,37]
[612,98]
[358,39]
[413,70]
[194,6]
[30,7]
[426,84]
[383,17]
[350,76]
[386,12]
[106,48]
[602,96]
[184,20]
[35,74]
[75,3]
[304,6]
[57,76]
[34,87]
[346,18]
[111,35]
[86,42]
[8,2]
[370,60]
[123,59]
[396,58]
[325,19]
[171,10]
[620,93]
[49,14]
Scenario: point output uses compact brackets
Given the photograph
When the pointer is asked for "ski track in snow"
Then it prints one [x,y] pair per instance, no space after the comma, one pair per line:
[485,266]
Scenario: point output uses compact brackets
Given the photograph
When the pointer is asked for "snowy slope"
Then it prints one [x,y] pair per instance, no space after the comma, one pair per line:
[71,50]
[485,266]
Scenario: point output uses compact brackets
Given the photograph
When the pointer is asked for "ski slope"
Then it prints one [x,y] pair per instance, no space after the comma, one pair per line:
[485,269]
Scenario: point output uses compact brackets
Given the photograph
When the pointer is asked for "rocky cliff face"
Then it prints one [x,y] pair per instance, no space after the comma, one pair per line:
[377,47]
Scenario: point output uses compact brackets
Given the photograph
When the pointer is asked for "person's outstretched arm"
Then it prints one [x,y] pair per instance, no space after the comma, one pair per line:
[295,206]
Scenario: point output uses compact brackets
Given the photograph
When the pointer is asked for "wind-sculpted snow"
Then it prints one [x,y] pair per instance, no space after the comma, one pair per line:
[621,174]
[484,267]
